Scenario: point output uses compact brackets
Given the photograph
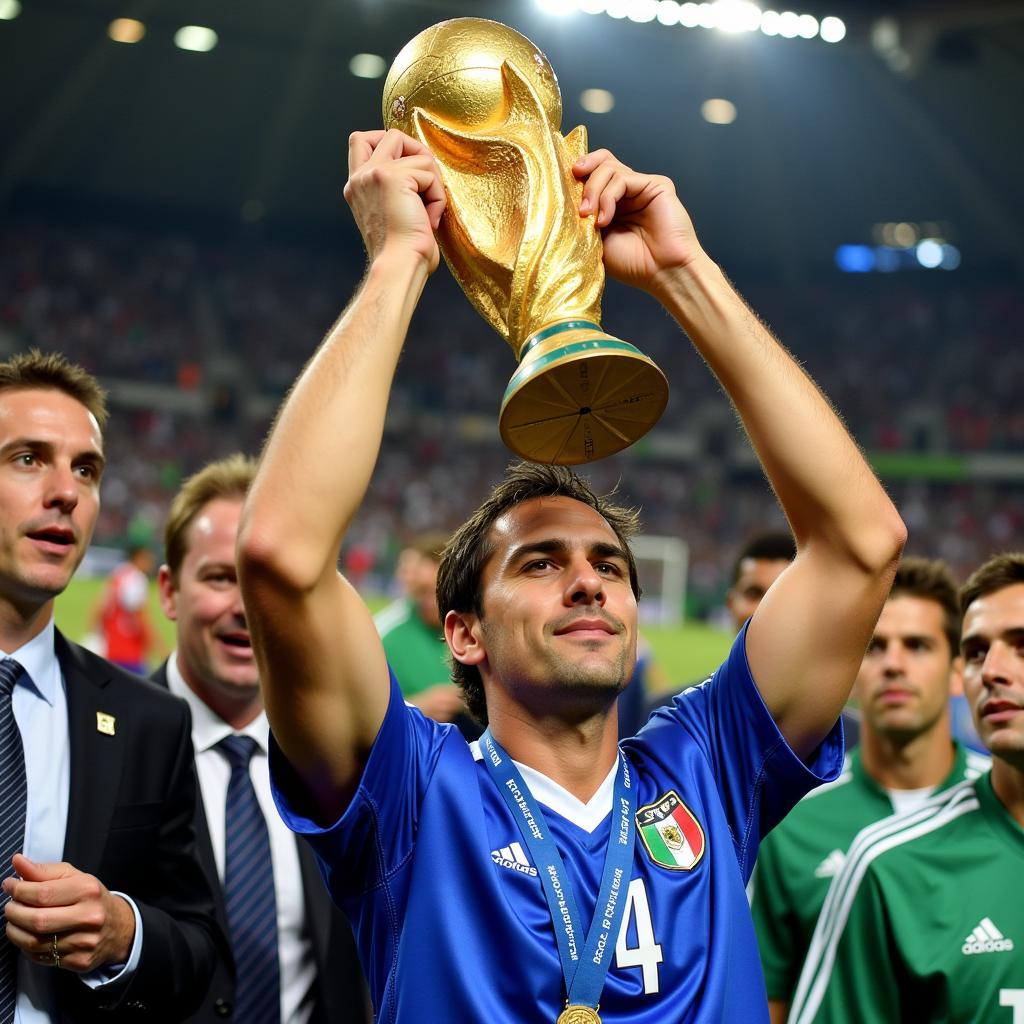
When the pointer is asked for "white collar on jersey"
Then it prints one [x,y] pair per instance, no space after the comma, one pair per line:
[586,816]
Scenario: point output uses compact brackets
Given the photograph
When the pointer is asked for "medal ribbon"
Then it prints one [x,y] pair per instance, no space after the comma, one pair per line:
[585,960]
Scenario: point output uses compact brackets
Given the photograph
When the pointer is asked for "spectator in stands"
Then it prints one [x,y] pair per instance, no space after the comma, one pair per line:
[107,910]
[295,960]
[906,754]
[410,629]
[121,618]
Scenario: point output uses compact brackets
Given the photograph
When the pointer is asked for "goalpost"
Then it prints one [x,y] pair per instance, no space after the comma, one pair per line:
[663,563]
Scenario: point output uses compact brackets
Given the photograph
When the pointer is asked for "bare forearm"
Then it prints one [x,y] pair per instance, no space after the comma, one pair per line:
[317,464]
[822,481]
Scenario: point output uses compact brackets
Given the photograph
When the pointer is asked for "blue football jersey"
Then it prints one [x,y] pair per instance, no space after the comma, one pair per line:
[448,910]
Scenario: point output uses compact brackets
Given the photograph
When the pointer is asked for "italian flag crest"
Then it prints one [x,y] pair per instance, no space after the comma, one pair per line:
[671,833]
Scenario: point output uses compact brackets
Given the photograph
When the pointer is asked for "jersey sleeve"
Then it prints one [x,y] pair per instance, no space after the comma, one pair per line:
[776,923]
[377,831]
[758,775]
[851,973]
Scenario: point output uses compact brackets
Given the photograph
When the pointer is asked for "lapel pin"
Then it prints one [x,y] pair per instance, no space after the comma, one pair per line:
[105,723]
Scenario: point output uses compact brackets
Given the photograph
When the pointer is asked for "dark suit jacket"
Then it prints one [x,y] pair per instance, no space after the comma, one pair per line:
[130,823]
[340,995]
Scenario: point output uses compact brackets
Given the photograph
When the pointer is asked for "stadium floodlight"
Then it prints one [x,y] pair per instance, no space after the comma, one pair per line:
[887,259]
[855,259]
[367,65]
[689,15]
[597,101]
[707,16]
[950,257]
[126,30]
[592,6]
[807,26]
[833,29]
[9,10]
[770,22]
[197,38]
[789,24]
[618,8]
[718,111]
[556,7]
[737,16]
[929,253]
[668,12]
[642,11]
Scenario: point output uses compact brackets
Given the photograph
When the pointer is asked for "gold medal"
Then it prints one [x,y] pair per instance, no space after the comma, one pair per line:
[578,1015]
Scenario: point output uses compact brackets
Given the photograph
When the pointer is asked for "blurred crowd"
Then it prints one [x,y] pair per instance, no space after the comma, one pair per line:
[198,340]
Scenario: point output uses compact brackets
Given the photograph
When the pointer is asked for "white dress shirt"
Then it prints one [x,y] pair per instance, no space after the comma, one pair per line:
[41,710]
[295,949]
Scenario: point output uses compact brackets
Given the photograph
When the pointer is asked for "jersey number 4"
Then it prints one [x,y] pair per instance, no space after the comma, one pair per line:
[646,954]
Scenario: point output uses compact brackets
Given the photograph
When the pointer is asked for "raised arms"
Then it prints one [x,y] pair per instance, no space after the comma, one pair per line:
[322,666]
[807,638]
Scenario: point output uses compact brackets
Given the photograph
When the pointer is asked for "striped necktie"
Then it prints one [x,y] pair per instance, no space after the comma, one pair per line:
[13,808]
[249,892]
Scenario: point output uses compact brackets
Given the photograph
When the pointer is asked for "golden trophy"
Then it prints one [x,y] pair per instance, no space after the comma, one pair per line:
[485,101]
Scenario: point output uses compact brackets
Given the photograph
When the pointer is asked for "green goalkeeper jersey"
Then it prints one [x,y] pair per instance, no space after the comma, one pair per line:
[925,923]
[798,860]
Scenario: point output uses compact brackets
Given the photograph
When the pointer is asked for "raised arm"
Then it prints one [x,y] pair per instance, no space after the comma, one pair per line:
[322,667]
[807,638]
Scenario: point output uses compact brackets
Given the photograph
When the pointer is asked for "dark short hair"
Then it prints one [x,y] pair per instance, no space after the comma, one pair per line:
[998,572]
[51,371]
[230,477]
[931,580]
[429,545]
[777,546]
[460,576]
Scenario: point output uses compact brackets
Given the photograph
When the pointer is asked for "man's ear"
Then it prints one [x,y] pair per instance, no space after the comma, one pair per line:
[956,677]
[464,636]
[168,593]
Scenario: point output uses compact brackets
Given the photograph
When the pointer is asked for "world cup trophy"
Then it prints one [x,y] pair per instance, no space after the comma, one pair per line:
[486,103]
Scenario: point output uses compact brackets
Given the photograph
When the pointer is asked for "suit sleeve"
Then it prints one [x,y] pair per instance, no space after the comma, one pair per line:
[181,941]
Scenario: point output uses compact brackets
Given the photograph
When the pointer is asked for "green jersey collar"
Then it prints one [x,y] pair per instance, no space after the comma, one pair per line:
[956,774]
[998,816]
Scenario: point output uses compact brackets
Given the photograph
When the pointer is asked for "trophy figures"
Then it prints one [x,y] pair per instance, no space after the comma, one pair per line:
[486,103]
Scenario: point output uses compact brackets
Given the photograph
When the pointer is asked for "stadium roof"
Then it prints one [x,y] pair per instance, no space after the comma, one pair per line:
[917,121]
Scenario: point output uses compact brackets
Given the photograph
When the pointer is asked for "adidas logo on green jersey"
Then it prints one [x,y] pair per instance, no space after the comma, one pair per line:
[831,865]
[986,938]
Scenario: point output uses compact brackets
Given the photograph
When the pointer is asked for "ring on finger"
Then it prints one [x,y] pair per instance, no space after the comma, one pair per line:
[53,951]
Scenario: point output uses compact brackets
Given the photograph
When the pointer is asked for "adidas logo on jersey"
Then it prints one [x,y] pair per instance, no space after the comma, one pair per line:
[513,858]
[831,865]
[986,938]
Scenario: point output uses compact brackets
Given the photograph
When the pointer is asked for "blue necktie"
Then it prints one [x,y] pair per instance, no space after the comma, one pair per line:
[249,892]
[13,808]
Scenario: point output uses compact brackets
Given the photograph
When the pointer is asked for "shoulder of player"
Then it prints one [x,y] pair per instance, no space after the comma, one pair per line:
[888,849]
[888,841]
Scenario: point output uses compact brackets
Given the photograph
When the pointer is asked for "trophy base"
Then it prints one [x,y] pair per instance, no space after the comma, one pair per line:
[579,395]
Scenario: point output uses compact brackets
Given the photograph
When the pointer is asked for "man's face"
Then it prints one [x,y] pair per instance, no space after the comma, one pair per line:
[904,680]
[756,576]
[214,651]
[993,654]
[51,460]
[558,610]
[422,587]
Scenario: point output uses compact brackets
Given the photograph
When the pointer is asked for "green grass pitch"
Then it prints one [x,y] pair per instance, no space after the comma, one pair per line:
[683,655]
